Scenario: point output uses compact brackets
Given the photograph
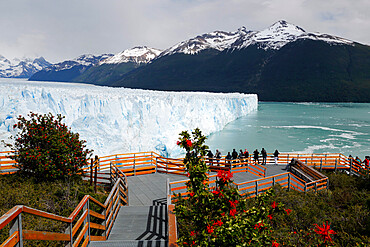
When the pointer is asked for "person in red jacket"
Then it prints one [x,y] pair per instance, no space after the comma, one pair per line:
[366,162]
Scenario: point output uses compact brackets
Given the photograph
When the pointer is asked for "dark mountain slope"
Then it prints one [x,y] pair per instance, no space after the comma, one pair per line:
[106,73]
[303,70]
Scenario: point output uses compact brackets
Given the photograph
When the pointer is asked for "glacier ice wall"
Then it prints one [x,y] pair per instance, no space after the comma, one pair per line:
[119,120]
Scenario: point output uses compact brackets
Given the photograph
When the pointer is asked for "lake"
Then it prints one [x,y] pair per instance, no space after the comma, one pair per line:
[299,127]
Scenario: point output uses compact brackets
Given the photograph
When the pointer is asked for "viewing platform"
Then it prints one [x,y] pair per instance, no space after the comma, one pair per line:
[139,209]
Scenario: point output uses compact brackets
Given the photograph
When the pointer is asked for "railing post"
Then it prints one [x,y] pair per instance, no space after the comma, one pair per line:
[168,190]
[87,219]
[256,188]
[110,174]
[305,187]
[335,169]
[17,226]
[70,234]
[97,162]
[315,186]
[156,166]
[134,165]
[287,159]
[321,165]
[311,159]
[288,181]
[105,223]
[327,183]
[350,165]
[96,178]
[91,172]
[273,181]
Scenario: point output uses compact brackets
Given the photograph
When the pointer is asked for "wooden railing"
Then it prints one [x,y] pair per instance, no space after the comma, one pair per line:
[80,221]
[7,165]
[150,162]
[133,164]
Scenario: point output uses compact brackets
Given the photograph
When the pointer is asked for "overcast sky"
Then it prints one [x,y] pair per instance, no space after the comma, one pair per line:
[65,29]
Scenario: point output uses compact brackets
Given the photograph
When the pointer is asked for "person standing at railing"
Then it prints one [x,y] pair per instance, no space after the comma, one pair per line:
[366,162]
[218,156]
[358,160]
[255,156]
[210,157]
[246,156]
[228,159]
[234,154]
[241,156]
[276,156]
[264,156]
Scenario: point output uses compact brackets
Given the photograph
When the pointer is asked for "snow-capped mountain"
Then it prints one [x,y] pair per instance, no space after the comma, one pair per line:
[140,54]
[70,69]
[85,60]
[21,68]
[273,37]
[218,40]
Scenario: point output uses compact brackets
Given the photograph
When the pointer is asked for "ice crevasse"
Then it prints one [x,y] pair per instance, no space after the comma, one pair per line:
[119,120]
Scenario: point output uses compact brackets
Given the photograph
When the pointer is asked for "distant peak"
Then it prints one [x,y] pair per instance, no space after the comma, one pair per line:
[282,25]
[243,30]
[137,54]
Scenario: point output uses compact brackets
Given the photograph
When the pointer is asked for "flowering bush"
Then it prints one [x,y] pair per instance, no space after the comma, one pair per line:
[46,148]
[219,216]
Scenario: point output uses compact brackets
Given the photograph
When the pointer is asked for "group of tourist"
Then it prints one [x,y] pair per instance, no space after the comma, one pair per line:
[365,162]
[242,156]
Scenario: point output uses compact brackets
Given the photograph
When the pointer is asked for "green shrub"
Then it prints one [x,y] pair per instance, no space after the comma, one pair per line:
[47,149]
[219,216]
[59,197]
[345,206]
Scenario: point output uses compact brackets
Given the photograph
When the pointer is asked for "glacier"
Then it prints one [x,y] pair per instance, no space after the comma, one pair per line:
[121,120]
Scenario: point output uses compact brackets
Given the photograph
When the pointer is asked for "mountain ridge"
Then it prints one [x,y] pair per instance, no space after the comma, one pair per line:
[21,68]
[280,63]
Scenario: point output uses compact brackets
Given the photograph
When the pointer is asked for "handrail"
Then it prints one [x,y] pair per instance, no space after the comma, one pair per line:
[150,162]
[83,224]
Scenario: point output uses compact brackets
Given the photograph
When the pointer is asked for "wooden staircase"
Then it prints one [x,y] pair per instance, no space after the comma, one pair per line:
[138,226]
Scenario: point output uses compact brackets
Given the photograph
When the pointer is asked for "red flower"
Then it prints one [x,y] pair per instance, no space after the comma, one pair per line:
[192,233]
[258,226]
[233,203]
[233,212]
[269,216]
[178,142]
[224,176]
[216,192]
[273,205]
[274,244]
[210,229]
[218,223]
[189,143]
[325,232]
[191,194]
[288,211]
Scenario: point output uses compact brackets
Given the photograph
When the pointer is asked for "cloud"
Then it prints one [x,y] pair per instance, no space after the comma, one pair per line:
[61,30]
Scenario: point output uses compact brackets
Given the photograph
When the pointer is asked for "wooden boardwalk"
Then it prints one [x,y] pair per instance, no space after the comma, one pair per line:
[150,189]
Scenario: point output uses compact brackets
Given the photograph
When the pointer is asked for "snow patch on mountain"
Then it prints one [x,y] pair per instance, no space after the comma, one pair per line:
[274,37]
[85,60]
[140,54]
[218,40]
[21,68]
[119,120]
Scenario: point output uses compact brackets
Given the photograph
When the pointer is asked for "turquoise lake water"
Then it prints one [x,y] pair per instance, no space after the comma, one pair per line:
[299,127]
